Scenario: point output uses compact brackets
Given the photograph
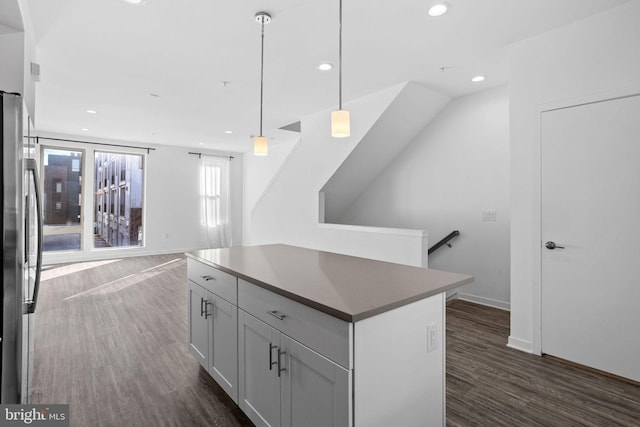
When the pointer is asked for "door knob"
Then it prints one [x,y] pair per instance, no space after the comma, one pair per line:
[552,246]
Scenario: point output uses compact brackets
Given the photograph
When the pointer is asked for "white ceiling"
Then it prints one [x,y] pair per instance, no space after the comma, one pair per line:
[109,56]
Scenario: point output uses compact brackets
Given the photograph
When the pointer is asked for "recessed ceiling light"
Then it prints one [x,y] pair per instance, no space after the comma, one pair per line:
[201,143]
[325,66]
[478,79]
[85,129]
[91,111]
[439,9]
[228,131]
[135,2]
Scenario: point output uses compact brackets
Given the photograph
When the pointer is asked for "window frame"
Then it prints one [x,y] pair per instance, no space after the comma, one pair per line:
[111,194]
[58,229]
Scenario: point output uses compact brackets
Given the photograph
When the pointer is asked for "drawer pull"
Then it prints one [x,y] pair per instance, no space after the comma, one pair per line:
[207,278]
[271,362]
[280,368]
[201,306]
[276,314]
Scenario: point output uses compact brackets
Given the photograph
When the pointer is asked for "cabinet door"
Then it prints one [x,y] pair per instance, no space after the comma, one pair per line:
[315,391]
[223,345]
[259,385]
[198,324]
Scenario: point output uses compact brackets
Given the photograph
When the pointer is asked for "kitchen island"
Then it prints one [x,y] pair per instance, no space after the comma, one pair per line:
[300,337]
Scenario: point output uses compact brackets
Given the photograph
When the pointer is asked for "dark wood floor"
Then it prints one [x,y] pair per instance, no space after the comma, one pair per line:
[491,384]
[111,342]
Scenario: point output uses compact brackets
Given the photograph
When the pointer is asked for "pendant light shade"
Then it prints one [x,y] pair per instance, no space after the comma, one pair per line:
[260,146]
[340,124]
[340,119]
[260,142]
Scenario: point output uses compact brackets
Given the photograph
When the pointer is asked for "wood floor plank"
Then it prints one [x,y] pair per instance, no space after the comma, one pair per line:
[111,340]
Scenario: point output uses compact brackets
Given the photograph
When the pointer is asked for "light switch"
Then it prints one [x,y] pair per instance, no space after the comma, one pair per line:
[489,215]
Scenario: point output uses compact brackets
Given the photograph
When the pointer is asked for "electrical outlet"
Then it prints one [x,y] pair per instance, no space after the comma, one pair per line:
[432,337]
[489,215]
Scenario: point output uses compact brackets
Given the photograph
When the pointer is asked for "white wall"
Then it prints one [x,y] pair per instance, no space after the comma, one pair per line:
[12,52]
[289,210]
[17,50]
[402,120]
[171,220]
[592,59]
[29,89]
[456,167]
[260,173]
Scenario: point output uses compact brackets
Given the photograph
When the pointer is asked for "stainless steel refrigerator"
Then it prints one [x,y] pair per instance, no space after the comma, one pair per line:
[21,253]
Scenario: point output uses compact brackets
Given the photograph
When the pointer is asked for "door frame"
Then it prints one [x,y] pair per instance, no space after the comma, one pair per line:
[536,244]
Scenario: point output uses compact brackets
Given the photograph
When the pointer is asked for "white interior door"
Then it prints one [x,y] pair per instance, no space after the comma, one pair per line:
[591,210]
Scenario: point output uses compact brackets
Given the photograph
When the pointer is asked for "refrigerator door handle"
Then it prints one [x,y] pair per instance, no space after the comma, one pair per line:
[32,166]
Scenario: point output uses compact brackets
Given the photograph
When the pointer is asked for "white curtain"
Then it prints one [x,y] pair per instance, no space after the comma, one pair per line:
[214,201]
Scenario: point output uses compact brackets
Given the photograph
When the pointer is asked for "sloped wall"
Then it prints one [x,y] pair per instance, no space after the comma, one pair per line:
[289,211]
[264,171]
[411,110]
[456,167]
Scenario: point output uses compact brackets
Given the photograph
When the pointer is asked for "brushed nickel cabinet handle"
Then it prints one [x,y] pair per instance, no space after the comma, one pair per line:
[276,314]
[206,311]
[201,306]
[280,368]
[271,362]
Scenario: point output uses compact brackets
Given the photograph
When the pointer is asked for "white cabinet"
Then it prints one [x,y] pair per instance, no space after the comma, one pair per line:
[198,325]
[314,391]
[284,383]
[223,344]
[213,324]
[259,380]
[287,361]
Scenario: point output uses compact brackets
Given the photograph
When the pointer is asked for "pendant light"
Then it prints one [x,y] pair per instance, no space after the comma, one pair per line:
[260,142]
[340,120]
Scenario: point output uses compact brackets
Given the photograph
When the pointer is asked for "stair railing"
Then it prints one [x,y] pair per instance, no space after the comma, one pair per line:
[444,241]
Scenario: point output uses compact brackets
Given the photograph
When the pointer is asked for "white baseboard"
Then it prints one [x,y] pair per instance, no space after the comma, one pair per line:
[482,300]
[521,345]
[104,254]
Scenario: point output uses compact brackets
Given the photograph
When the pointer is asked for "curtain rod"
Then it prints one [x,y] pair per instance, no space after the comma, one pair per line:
[38,138]
[210,155]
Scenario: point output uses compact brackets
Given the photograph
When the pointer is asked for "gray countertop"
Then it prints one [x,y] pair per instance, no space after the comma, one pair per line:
[347,287]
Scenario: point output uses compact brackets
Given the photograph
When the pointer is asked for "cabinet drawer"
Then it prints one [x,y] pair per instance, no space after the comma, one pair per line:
[214,280]
[321,332]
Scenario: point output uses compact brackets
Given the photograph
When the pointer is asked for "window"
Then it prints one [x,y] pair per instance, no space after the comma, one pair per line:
[214,201]
[211,196]
[62,196]
[120,182]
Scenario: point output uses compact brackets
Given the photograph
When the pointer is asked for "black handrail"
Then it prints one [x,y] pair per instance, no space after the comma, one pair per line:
[444,241]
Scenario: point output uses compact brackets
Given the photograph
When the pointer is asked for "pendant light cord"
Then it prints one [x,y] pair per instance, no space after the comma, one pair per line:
[262,71]
[340,62]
